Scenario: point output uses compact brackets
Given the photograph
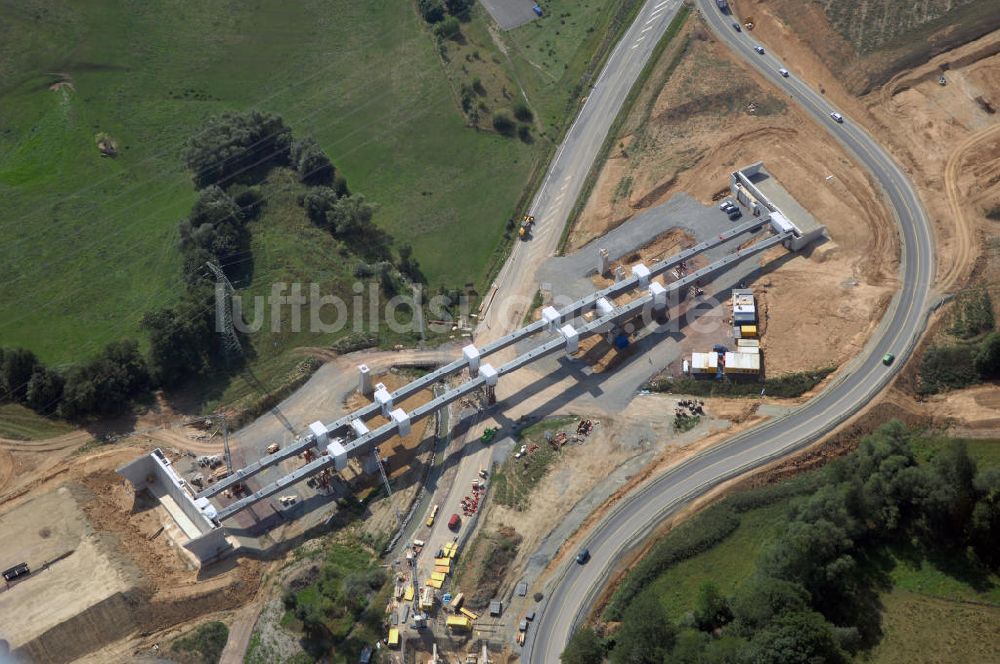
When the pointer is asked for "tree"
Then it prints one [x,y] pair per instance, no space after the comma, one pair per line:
[107,384]
[987,359]
[409,265]
[237,146]
[584,647]
[984,527]
[45,390]
[312,164]
[214,231]
[350,216]
[761,598]
[523,112]
[431,10]
[801,637]
[180,343]
[646,634]
[504,125]
[711,609]
[16,367]
[459,8]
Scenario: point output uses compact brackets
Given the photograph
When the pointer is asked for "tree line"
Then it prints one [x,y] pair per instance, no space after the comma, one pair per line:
[973,356]
[229,159]
[814,595]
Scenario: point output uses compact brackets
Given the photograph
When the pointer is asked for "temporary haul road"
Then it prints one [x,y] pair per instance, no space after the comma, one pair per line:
[576,586]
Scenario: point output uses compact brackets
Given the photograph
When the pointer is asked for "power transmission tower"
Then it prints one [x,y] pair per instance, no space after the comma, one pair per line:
[385,481]
[224,310]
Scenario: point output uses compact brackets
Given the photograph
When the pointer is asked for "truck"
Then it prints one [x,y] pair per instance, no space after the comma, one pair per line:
[433,514]
[527,222]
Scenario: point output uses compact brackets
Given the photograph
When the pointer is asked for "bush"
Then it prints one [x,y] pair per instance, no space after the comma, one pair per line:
[524,133]
[947,367]
[987,360]
[972,314]
[523,112]
[504,125]
[206,642]
[312,164]
[787,386]
[449,28]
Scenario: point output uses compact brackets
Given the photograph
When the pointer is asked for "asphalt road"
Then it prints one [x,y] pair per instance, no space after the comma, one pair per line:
[575,586]
[514,287]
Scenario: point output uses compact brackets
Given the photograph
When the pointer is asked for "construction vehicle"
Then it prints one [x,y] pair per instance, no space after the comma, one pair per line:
[748,23]
[273,447]
[524,232]
[430,518]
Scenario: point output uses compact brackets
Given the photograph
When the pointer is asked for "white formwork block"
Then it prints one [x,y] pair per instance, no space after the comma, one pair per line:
[603,262]
[659,294]
[551,317]
[471,354]
[318,430]
[383,399]
[364,379]
[489,374]
[359,428]
[641,271]
[572,338]
[337,452]
[603,306]
[402,420]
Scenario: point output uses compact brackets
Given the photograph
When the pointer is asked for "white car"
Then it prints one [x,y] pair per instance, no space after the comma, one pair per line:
[759,49]
[783,72]
[837,117]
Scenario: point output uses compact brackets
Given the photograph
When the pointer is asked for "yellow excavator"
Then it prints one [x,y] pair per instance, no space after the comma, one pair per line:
[524,232]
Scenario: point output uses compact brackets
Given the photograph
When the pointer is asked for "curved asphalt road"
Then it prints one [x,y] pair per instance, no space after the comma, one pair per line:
[576,586]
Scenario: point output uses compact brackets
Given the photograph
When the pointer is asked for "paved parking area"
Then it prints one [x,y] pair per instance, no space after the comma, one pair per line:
[510,14]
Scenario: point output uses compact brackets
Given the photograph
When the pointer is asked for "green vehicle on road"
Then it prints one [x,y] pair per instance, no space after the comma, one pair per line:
[888,359]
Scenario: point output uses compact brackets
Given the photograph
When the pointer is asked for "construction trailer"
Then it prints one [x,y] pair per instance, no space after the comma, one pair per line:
[704,363]
[748,332]
[459,623]
[742,363]
[744,345]
[744,307]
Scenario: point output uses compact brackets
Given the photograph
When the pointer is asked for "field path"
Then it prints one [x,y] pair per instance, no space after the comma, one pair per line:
[966,246]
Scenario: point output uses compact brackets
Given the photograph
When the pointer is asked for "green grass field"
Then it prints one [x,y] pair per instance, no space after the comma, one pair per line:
[516,478]
[89,241]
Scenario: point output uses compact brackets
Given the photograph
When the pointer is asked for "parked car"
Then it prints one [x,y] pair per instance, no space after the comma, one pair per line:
[837,117]
[734,214]
[783,72]
[454,522]
[727,205]
[583,556]
[759,49]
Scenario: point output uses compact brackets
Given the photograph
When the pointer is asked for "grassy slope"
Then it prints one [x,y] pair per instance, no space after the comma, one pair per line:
[20,423]
[89,241]
[962,600]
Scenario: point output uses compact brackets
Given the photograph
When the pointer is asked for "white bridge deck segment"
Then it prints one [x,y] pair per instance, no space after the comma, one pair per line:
[365,442]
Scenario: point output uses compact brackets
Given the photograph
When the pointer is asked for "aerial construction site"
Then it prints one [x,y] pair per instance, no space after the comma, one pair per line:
[719,267]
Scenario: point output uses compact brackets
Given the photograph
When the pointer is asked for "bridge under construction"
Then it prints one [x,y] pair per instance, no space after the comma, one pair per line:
[350,437]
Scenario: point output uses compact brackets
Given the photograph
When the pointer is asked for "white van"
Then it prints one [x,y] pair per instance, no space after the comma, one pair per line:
[837,117]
